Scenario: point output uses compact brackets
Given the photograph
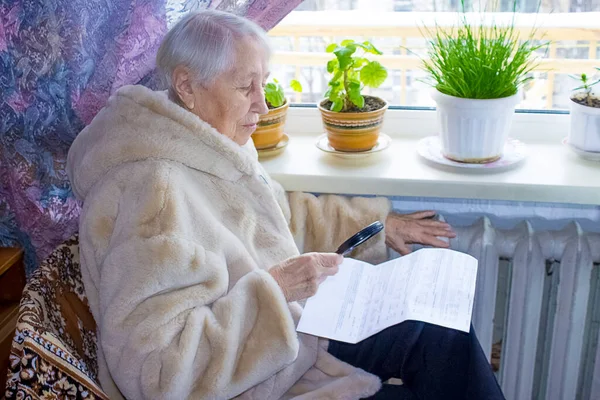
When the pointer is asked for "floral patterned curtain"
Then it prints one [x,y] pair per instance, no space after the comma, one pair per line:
[59,62]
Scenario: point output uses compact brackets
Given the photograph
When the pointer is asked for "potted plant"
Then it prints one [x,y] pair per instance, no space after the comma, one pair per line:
[353,121]
[585,116]
[269,130]
[476,73]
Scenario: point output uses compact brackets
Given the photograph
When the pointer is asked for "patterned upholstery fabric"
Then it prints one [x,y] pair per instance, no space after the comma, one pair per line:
[53,354]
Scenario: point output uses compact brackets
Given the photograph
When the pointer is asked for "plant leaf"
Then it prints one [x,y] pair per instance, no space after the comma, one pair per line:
[373,74]
[344,56]
[370,48]
[354,84]
[594,83]
[331,48]
[274,94]
[335,93]
[356,98]
[375,50]
[337,105]
[332,65]
[345,50]
[296,85]
[347,42]
[335,81]
[359,62]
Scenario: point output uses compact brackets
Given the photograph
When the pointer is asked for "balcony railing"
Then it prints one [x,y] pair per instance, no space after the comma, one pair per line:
[562,31]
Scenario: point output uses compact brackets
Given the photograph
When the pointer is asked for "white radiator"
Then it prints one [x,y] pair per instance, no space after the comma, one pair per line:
[550,320]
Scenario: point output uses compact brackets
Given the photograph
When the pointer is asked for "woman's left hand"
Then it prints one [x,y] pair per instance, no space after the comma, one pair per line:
[401,231]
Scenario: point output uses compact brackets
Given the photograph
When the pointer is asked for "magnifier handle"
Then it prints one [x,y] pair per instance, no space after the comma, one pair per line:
[344,253]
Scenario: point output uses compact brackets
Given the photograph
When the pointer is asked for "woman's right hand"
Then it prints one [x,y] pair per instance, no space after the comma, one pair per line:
[300,277]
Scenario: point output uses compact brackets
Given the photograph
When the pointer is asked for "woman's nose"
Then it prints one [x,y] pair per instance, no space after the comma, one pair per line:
[260,105]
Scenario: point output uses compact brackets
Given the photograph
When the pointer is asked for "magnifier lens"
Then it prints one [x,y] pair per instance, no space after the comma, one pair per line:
[360,237]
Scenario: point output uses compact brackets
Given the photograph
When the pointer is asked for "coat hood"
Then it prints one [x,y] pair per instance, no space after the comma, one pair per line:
[139,124]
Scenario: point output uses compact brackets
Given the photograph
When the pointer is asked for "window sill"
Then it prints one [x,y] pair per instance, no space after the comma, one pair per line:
[551,172]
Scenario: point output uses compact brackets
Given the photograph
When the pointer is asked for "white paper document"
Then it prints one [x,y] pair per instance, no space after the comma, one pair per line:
[430,285]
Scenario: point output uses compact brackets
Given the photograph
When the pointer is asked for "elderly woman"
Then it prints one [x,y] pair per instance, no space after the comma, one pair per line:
[191,253]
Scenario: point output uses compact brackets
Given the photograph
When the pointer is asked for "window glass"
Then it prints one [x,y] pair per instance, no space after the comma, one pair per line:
[396,27]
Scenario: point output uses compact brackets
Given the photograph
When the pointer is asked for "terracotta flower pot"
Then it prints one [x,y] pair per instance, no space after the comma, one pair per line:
[270,127]
[352,131]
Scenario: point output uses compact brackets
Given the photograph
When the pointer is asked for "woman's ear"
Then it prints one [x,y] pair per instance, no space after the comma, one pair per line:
[183,86]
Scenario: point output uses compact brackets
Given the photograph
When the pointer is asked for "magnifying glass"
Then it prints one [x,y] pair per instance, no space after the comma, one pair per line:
[359,238]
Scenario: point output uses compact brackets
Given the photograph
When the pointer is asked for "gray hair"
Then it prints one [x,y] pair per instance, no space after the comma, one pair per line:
[205,43]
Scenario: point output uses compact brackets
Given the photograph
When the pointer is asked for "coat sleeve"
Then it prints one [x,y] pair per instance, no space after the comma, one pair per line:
[322,223]
[172,326]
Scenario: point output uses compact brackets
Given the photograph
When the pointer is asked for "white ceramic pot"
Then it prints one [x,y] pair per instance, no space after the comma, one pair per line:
[585,127]
[473,130]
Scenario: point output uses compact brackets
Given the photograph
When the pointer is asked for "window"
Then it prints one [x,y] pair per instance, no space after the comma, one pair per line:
[394,26]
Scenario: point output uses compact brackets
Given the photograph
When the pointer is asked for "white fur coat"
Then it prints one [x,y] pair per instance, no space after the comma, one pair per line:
[178,228]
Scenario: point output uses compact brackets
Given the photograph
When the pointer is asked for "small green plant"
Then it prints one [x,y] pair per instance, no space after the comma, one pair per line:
[275,95]
[480,62]
[352,73]
[585,85]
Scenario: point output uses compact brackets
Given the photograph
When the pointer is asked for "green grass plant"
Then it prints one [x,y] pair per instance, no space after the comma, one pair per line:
[475,61]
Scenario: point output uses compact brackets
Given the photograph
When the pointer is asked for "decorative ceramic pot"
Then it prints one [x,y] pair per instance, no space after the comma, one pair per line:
[269,130]
[474,130]
[352,131]
[585,127]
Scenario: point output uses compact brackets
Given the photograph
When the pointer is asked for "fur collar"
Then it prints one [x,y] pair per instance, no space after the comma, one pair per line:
[139,124]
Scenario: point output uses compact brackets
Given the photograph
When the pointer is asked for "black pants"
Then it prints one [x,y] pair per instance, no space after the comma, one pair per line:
[433,362]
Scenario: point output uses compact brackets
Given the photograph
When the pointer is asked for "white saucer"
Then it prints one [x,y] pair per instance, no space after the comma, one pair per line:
[383,143]
[515,151]
[586,155]
[274,151]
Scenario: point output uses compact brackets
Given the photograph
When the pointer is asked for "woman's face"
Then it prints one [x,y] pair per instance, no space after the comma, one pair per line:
[233,102]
